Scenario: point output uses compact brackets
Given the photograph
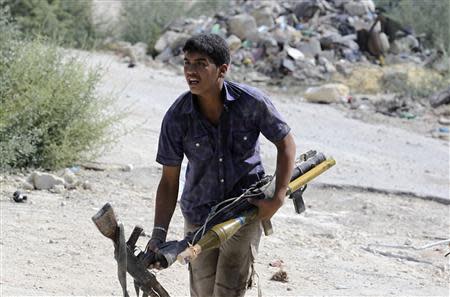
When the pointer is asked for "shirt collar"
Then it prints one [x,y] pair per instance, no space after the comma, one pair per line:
[232,93]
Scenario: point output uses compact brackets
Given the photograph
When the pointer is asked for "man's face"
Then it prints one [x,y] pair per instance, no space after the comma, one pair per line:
[201,74]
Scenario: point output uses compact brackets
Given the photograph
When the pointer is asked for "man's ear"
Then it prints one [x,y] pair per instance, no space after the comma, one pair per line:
[223,70]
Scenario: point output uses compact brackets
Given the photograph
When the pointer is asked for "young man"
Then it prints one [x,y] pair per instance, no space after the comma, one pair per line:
[216,125]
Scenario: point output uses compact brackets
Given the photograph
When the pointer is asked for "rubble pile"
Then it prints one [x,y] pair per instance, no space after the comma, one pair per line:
[307,41]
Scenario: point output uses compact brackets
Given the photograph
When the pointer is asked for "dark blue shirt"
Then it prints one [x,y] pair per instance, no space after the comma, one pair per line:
[223,160]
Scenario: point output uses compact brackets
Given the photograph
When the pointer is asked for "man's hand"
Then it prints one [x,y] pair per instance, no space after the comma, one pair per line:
[285,165]
[153,246]
[267,207]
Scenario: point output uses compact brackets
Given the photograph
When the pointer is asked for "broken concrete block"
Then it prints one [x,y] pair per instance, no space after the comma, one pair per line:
[234,43]
[328,93]
[27,186]
[170,39]
[263,17]
[440,98]
[288,64]
[45,181]
[294,53]
[243,26]
[359,8]
[311,48]
[69,177]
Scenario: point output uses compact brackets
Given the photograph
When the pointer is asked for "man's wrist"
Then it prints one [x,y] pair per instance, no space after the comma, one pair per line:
[159,233]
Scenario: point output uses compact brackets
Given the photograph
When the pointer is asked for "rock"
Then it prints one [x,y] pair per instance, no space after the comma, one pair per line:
[172,40]
[234,43]
[27,186]
[268,42]
[311,48]
[87,185]
[127,168]
[125,51]
[289,65]
[139,51]
[165,55]
[45,181]
[294,53]
[328,93]
[329,67]
[243,26]
[405,45]
[444,121]
[57,189]
[438,61]
[306,9]
[344,68]
[69,177]
[263,17]
[359,8]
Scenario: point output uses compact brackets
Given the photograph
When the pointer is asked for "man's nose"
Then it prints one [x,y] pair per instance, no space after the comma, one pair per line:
[190,68]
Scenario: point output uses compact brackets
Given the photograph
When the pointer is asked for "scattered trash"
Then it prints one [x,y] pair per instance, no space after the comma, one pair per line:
[444,121]
[280,276]
[276,263]
[19,197]
[407,115]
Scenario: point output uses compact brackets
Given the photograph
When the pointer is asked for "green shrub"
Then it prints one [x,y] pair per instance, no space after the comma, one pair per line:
[50,116]
[208,8]
[68,22]
[431,17]
[145,20]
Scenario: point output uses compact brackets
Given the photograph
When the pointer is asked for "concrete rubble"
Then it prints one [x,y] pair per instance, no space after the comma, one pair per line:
[67,180]
[293,39]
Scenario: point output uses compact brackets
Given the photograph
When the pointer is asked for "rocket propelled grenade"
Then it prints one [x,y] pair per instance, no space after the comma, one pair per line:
[305,170]
[215,236]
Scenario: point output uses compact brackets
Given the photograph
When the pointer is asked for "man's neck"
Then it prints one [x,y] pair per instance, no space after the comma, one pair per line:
[211,105]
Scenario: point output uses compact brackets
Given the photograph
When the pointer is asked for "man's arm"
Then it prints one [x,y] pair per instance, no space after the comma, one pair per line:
[166,201]
[285,166]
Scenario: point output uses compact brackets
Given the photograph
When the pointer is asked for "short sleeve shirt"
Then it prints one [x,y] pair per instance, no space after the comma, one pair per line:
[223,160]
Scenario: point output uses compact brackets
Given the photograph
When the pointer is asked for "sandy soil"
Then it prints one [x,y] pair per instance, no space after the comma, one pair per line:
[49,246]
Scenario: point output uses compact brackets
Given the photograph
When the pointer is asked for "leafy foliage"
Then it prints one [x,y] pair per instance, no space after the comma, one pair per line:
[145,20]
[431,17]
[50,114]
[66,21]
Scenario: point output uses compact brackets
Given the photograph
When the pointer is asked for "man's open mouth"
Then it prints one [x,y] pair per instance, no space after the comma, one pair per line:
[193,82]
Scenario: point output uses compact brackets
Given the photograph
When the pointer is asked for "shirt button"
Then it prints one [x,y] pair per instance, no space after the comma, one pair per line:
[197,144]
[245,138]
[222,180]
[220,159]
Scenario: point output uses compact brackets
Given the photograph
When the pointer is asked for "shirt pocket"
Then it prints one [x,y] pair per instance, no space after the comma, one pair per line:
[198,148]
[244,143]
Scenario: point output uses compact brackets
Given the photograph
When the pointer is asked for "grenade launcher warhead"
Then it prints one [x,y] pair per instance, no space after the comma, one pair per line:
[223,222]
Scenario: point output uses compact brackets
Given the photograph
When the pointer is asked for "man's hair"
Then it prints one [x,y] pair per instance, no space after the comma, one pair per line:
[212,45]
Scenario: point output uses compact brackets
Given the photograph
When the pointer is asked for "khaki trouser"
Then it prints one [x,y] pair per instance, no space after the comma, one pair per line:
[225,271]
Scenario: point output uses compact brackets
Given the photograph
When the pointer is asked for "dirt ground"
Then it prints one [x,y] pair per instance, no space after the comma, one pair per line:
[350,241]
